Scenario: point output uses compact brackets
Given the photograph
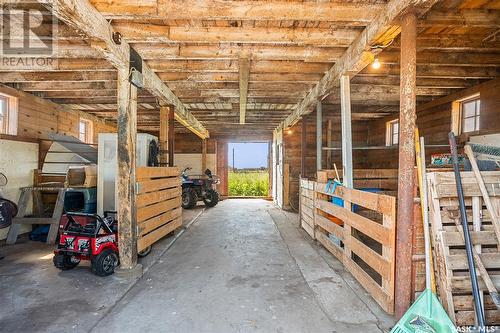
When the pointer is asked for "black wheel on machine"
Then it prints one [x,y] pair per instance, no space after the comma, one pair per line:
[211,198]
[189,198]
[145,252]
[105,263]
[65,262]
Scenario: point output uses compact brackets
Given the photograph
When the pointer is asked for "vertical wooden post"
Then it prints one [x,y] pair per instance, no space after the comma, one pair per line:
[329,144]
[203,155]
[407,118]
[319,136]
[303,147]
[345,115]
[127,134]
[171,136]
[270,168]
[164,124]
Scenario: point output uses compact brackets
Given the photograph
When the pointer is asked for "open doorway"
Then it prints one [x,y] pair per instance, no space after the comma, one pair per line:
[248,169]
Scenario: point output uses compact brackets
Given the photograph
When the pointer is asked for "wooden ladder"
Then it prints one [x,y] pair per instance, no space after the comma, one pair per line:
[20,219]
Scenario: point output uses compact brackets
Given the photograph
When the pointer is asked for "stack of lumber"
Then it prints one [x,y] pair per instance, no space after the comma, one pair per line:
[452,276]
[159,209]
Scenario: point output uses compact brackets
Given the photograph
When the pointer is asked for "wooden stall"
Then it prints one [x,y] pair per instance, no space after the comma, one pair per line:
[158,201]
[357,227]
[307,206]
[452,276]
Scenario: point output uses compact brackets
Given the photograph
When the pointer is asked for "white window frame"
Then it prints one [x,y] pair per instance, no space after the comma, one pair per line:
[10,126]
[89,131]
[389,136]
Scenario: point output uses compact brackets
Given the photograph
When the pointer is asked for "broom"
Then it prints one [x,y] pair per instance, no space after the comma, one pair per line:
[426,315]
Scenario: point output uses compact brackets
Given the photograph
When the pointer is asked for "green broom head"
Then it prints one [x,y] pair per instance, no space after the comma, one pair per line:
[426,315]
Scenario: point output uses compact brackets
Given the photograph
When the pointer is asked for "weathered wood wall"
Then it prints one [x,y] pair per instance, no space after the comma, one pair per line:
[292,149]
[434,123]
[37,117]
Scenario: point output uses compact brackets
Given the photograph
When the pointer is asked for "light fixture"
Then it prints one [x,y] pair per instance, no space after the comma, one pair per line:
[376,63]
[289,131]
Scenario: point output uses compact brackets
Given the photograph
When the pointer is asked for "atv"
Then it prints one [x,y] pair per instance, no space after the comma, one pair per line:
[89,237]
[199,187]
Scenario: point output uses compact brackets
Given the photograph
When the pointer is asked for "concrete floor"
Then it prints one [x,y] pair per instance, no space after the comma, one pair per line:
[243,266]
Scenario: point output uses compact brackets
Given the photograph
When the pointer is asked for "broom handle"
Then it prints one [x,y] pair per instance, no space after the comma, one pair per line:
[425,214]
[465,227]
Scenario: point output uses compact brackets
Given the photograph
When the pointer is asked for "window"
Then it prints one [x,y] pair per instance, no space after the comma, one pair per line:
[8,114]
[85,131]
[470,117]
[392,134]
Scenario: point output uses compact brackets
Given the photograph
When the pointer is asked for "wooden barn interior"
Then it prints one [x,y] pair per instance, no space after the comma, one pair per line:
[360,217]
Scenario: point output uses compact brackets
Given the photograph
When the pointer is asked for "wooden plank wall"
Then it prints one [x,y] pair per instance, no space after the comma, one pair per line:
[38,117]
[434,123]
[158,201]
[292,149]
[189,143]
[222,168]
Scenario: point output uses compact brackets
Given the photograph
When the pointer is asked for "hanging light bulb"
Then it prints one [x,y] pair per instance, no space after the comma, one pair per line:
[376,63]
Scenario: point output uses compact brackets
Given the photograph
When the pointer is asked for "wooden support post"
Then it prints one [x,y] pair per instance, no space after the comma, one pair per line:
[127,134]
[329,163]
[244,76]
[270,168]
[319,136]
[303,147]
[345,115]
[171,136]
[164,124]
[407,119]
[203,155]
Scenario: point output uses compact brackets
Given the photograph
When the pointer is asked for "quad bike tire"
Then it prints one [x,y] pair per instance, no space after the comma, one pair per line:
[189,198]
[211,198]
[145,252]
[105,263]
[64,262]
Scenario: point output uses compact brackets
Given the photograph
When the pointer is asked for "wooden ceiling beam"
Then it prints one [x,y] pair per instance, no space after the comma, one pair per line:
[461,17]
[216,65]
[135,32]
[86,19]
[346,13]
[358,55]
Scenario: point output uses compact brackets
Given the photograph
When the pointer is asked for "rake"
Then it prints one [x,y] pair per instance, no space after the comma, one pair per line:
[426,315]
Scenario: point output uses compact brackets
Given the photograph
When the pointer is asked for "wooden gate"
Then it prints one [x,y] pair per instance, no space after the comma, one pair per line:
[360,230]
[158,203]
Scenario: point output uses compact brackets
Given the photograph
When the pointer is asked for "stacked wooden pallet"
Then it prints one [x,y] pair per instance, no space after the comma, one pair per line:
[307,206]
[159,209]
[450,260]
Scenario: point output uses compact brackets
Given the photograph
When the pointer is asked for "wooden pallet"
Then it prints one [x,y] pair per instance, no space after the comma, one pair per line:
[452,275]
[158,202]
[364,241]
[307,206]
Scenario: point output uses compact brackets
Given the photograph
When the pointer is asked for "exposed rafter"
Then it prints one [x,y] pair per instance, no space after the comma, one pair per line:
[84,17]
[358,55]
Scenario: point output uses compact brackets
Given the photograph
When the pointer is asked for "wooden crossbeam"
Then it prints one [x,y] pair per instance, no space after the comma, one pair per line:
[357,56]
[346,13]
[244,68]
[85,18]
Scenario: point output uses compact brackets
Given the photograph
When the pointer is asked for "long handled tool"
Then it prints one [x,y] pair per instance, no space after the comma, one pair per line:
[422,184]
[465,227]
[426,315]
